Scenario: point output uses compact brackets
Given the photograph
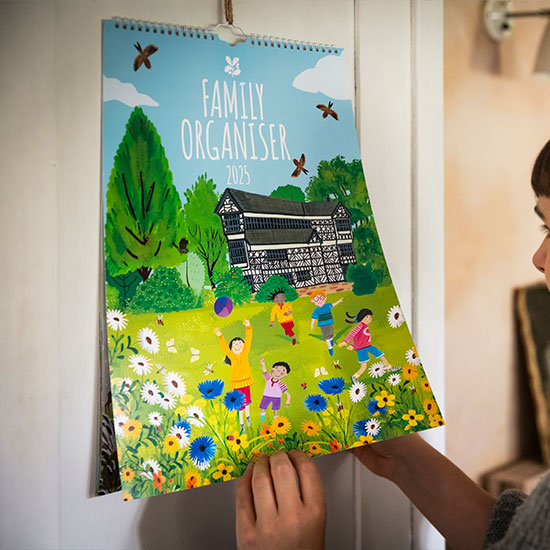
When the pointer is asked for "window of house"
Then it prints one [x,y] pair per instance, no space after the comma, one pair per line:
[276,255]
[345,249]
[237,252]
[303,276]
[232,223]
[343,225]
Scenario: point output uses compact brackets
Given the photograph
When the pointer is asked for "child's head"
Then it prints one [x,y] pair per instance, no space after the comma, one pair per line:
[279,297]
[279,370]
[236,346]
[364,315]
[318,297]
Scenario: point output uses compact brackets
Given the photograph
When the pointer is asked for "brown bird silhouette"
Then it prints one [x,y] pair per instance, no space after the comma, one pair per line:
[299,166]
[327,110]
[143,57]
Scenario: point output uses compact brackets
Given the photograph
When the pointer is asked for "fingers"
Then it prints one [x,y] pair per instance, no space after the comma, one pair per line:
[311,487]
[246,516]
[262,489]
[284,482]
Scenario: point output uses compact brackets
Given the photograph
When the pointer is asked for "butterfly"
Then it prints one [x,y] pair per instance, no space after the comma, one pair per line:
[327,110]
[336,364]
[299,166]
[143,57]
[208,369]
[232,66]
[159,320]
[304,385]
[319,372]
[194,355]
[170,346]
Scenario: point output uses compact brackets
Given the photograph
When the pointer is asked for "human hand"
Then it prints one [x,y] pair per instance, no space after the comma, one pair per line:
[246,323]
[274,511]
[341,344]
[217,332]
[350,348]
[287,313]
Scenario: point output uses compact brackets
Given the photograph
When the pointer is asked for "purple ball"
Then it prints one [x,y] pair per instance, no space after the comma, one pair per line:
[223,306]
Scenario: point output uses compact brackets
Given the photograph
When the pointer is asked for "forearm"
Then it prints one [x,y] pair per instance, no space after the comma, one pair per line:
[458,508]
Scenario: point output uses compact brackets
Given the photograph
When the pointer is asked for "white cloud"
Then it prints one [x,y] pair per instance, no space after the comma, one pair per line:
[329,76]
[115,90]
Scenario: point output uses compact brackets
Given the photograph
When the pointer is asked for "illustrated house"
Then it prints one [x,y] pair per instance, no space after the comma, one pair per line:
[308,243]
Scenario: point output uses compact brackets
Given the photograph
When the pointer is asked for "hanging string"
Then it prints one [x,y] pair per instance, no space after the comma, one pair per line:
[229,11]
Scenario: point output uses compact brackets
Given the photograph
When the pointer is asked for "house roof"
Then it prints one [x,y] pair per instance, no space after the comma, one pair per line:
[281,236]
[263,204]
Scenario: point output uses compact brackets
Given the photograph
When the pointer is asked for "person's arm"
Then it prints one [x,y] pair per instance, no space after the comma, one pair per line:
[287,397]
[262,361]
[272,316]
[223,343]
[247,337]
[280,504]
[458,508]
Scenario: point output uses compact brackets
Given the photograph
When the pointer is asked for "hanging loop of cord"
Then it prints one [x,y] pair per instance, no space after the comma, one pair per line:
[229,11]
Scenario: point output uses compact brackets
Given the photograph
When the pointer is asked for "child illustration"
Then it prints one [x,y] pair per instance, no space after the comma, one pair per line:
[362,343]
[274,387]
[282,310]
[323,315]
[236,355]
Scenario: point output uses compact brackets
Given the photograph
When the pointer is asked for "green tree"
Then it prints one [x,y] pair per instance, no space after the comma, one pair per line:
[193,274]
[204,226]
[231,283]
[274,285]
[338,180]
[363,278]
[163,291]
[126,284]
[367,247]
[289,192]
[144,227]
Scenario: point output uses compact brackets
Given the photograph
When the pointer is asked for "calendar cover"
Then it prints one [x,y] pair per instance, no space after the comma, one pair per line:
[249,307]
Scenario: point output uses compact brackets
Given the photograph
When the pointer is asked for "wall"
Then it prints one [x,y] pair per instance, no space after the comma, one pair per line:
[50,211]
[496,121]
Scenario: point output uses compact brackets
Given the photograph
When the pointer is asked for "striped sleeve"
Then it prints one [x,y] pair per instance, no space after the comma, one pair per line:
[352,333]
[282,386]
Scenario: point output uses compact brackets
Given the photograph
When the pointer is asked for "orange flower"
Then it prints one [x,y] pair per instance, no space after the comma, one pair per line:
[436,420]
[426,385]
[192,479]
[314,449]
[410,372]
[280,425]
[159,480]
[132,428]
[335,446]
[127,474]
[267,433]
[430,406]
[127,496]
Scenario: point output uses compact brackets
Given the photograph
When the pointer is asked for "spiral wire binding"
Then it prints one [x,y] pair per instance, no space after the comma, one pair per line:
[200,32]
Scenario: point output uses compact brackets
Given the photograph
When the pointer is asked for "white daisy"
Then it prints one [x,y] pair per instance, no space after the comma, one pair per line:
[394,379]
[116,320]
[181,434]
[412,357]
[377,370]
[195,416]
[174,383]
[372,427]
[119,421]
[126,384]
[357,392]
[150,393]
[150,467]
[148,340]
[395,317]
[155,418]
[140,364]
[168,401]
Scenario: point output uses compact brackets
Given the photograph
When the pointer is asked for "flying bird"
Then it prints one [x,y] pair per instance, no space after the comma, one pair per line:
[299,166]
[143,57]
[327,110]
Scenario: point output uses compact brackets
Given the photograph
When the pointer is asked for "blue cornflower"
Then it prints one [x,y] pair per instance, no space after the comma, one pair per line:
[316,403]
[360,428]
[373,407]
[332,386]
[233,400]
[210,389]
[184,425]
[202,451]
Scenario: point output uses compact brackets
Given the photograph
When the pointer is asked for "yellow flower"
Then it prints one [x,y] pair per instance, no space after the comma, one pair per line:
[206,482]
[280,425]
[224,472]
[385,399]
[430,406]
[310,428]
[127,474]
[192,479]
[238,441]
[171,444]
[217,407]
[364,440]
[127,496]
[200,403]
[186,399]
[412,417]
[410,372]
[132,428]
[426,385]
[436,420]
[314,449]
[391,411]
[328,411]
[181,411]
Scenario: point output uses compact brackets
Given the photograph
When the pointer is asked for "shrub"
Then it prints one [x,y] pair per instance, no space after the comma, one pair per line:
[363,278]
[193,273]
[275,284]
[163,291]
[232,284]
[112,297]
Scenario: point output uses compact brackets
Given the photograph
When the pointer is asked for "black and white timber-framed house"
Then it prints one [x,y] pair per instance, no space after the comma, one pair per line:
[308,243]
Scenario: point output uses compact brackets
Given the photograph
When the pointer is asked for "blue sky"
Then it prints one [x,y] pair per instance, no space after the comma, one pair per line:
[174,82]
